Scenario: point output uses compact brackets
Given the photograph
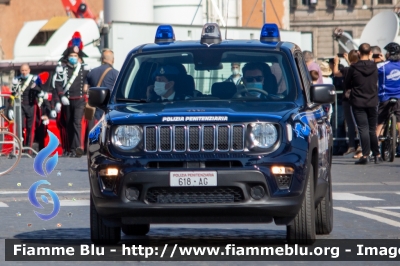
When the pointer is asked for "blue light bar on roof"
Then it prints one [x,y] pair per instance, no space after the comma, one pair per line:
[270,33]
[164,34]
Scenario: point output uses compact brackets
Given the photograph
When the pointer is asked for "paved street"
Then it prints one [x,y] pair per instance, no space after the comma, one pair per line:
[366,205]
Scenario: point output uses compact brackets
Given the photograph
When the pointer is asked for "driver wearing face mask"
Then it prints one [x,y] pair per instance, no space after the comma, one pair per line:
[164,84]
[253,78]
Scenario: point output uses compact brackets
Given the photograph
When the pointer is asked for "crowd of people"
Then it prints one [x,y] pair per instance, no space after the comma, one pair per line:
[61,98]
[369,81]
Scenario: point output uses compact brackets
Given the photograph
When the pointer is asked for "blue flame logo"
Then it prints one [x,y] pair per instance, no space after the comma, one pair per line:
[44,169]
[43,154]
[34,201]
[94,134]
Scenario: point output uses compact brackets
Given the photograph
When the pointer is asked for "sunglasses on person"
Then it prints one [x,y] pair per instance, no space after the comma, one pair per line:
[256,78]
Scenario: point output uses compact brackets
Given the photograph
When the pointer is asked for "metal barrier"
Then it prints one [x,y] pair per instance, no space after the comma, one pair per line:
[17,125]
[338,123]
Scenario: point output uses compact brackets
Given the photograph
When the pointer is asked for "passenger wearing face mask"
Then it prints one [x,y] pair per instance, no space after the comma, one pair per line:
[236,77]
[71,85]
[164,84]
[24,87]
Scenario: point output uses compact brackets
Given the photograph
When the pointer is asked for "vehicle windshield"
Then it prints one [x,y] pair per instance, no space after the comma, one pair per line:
[207,74]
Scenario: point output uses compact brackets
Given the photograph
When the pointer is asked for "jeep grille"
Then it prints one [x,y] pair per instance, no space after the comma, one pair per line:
[194,138]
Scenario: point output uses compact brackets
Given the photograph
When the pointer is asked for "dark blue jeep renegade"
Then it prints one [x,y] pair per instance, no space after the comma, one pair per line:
[183,141]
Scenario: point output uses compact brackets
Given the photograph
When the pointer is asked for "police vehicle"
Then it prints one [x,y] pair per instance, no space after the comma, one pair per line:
[179,144]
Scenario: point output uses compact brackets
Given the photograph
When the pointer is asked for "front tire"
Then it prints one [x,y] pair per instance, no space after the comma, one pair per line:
[100,233]
[388,146]
[302,228]
[324,211]
[136,229]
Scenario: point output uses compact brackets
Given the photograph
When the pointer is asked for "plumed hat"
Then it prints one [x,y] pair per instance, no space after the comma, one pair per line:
[75,45]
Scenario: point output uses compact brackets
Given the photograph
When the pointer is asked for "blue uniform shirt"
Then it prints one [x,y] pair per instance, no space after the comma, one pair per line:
[389,80]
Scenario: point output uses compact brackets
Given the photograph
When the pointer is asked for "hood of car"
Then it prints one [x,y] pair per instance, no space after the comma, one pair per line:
[205,111]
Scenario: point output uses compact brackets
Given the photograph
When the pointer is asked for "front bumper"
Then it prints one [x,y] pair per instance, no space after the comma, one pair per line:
[115,206]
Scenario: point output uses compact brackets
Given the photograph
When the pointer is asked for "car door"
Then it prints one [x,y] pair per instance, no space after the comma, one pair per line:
[315,117]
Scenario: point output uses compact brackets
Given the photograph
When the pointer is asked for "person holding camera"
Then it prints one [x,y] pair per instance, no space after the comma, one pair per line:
[377,54]
[361,81]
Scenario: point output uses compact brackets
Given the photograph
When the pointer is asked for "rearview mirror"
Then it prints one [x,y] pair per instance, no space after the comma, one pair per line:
[201,67]
[98,97]
[323,93]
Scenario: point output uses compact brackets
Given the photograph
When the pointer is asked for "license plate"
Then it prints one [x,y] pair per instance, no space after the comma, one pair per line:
[193,179]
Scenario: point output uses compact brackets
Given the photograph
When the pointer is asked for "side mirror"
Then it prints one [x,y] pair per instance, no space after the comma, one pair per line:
[323,93]
[98,97]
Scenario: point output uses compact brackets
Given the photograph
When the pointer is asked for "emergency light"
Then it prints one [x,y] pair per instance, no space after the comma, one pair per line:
[211,34]
[270,33]
[164,34]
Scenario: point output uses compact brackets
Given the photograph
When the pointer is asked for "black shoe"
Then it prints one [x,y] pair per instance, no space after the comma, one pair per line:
[378,160]
[362,160]
[65,154]
[74,154]
[79,152]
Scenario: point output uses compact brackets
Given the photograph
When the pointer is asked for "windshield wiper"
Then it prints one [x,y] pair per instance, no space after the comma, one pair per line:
[132,100]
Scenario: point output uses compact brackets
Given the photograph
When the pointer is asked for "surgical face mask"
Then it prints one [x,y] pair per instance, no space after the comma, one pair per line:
[73,60]
[24,76]
[235,71]
[159,88]
[254,85]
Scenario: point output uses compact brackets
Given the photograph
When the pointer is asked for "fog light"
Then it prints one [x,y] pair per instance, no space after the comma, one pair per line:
[257,192]
[282,170]
[132,193]
[109,172]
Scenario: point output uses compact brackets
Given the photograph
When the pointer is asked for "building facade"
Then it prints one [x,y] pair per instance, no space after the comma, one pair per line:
[276,11]
[321,17]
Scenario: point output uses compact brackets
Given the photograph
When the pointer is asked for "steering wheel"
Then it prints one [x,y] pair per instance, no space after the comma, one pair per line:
[239,93]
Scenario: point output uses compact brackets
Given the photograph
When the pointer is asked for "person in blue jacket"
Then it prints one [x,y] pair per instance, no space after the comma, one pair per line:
[389,85]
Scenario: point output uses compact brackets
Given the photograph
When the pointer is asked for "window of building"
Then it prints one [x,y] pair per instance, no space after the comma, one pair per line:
[385,2]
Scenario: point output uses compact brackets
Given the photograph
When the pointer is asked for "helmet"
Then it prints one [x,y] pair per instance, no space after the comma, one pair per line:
[392,48]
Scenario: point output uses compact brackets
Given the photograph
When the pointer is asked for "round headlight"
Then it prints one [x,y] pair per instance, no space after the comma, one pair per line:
[263,135]
[127,137]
